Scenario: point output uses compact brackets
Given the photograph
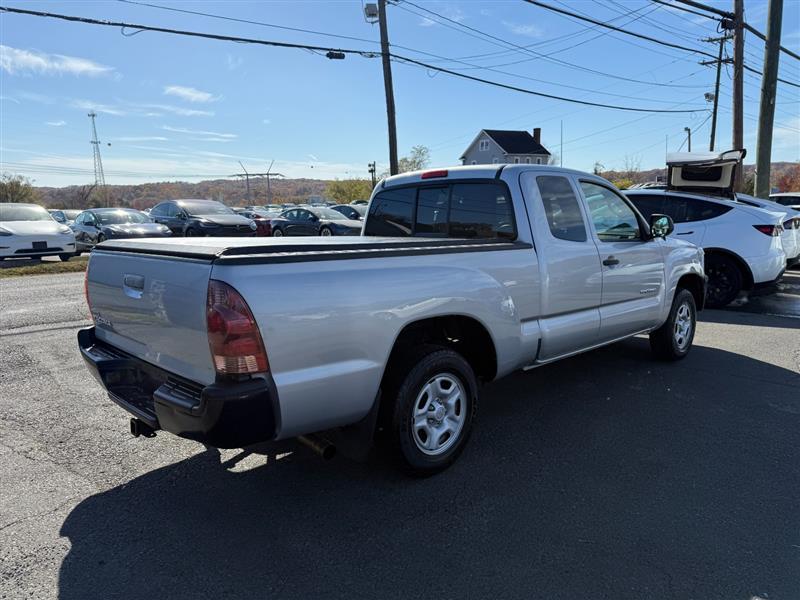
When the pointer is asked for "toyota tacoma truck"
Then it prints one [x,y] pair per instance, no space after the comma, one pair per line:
[460,277]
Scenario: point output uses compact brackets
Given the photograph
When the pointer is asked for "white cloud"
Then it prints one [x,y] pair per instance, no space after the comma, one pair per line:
[312,157]
[143,138]
[56,123]
[199,132]
[528,30]
[425,22]
[189,93]
[97,107]
[175,110]
[16,61]
[9,99]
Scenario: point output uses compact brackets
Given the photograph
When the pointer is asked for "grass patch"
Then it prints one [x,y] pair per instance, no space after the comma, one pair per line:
[75,265]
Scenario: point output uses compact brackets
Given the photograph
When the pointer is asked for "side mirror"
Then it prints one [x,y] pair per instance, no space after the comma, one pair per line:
[661,226]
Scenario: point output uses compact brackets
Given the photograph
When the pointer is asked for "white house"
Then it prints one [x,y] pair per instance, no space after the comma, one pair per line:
[501,146]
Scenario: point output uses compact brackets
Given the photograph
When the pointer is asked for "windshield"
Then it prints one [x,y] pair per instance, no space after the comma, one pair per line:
[23,212]
[118,217]
[328,213]
[208,207]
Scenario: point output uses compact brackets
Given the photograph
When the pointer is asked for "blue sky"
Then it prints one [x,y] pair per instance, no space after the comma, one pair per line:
[182,108]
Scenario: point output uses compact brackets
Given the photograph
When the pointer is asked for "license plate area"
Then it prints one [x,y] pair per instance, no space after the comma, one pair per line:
[40,245]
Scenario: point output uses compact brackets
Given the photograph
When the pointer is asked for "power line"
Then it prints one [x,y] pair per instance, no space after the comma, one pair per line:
[523,49]
[328,49]
[684,9]
[615,28]
[535,93]
[213,36]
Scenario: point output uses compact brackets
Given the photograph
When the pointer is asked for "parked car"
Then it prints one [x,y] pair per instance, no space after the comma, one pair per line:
[790,199]
[97,225]
[201,218]
[367,337]
[314,220]
[360,202]
[742,244]
[353,212]
[262,218]
[28,230]
[63,215]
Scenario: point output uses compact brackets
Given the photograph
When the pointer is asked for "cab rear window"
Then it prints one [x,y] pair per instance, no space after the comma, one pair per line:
[472,210]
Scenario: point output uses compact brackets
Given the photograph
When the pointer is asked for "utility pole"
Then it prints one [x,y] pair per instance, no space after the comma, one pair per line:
[715,99]
[769,84]
[99,176]
[688,131]
[738,87]
[389,88]
[371,169]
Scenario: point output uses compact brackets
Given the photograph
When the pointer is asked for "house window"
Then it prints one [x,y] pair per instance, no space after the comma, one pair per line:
[495,160]
[527,160]
[483,145]
[516,160]
[538,161]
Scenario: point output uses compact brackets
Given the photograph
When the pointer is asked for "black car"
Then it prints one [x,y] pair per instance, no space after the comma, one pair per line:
[99,224]
[355,212]
[314,221]
[201,218]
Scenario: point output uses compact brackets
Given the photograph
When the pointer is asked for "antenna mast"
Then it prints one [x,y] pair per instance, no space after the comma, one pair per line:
[99,176]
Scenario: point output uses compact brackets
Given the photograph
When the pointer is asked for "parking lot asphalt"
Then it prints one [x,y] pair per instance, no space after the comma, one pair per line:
[608,475]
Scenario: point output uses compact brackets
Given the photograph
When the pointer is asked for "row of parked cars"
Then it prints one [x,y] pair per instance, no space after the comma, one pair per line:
[748,241]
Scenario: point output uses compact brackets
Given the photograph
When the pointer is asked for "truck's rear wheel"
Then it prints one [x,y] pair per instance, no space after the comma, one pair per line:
[673,340]
[433,398]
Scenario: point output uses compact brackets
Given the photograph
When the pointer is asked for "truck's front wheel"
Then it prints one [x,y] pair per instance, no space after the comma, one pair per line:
[434,398]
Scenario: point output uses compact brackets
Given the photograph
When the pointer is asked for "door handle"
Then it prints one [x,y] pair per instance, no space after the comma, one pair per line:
[610,261]
[686,233]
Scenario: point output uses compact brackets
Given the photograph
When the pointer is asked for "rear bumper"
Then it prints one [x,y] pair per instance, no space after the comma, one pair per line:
[768,285]
[768,268]
[226,414]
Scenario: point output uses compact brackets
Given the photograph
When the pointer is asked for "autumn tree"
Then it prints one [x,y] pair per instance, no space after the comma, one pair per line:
[347,190]
[790,180]
[17,188]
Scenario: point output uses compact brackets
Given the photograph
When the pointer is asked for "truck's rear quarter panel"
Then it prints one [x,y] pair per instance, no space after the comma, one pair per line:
[329,326]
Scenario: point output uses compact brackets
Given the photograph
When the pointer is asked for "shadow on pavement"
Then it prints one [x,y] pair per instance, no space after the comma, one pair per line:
[606,475]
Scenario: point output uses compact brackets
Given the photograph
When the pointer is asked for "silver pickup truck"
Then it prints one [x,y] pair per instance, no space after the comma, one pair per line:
[461,276]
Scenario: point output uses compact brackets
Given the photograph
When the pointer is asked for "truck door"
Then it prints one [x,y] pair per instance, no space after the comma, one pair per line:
[632,266]
[569,262]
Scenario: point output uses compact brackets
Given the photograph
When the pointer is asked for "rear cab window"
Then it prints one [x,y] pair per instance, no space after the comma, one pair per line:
[462,209]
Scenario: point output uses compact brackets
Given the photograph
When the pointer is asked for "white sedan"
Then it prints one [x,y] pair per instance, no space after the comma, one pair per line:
[28,230]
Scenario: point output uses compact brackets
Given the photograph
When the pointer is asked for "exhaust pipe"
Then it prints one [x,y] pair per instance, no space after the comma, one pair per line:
[319,445]
[139,427]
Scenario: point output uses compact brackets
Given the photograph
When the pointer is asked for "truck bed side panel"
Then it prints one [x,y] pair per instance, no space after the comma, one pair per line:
[329,326]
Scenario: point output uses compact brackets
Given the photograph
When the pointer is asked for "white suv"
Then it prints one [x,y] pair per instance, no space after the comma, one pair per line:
[742,243]
[790,199]
[791,225]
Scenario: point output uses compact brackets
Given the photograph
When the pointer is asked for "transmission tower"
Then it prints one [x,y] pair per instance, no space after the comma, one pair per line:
[99,177]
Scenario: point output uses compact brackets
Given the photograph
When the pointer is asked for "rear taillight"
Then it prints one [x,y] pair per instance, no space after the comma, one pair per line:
[86,291]
[233,334]
[772,230]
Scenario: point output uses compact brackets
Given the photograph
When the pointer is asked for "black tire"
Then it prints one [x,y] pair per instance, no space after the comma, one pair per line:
[403,394]
[325,231]
[190,232]
[724,280]
[277,232]
[672,341]
[65,257]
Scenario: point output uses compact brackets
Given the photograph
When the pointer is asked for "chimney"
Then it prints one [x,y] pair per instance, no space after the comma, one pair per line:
[537,135]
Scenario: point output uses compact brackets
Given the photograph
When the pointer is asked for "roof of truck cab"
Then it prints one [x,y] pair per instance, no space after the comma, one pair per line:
[477,172]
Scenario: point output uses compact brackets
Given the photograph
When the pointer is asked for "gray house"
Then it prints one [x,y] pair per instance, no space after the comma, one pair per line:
[500,146]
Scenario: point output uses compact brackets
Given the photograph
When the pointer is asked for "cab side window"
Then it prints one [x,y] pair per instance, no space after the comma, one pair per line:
[614,220]
[561,208]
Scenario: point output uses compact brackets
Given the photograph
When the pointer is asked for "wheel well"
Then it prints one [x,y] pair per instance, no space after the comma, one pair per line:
[747,274]
[464,335]
[693,283]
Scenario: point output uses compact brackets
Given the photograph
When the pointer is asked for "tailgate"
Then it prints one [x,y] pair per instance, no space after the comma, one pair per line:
[154,308]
